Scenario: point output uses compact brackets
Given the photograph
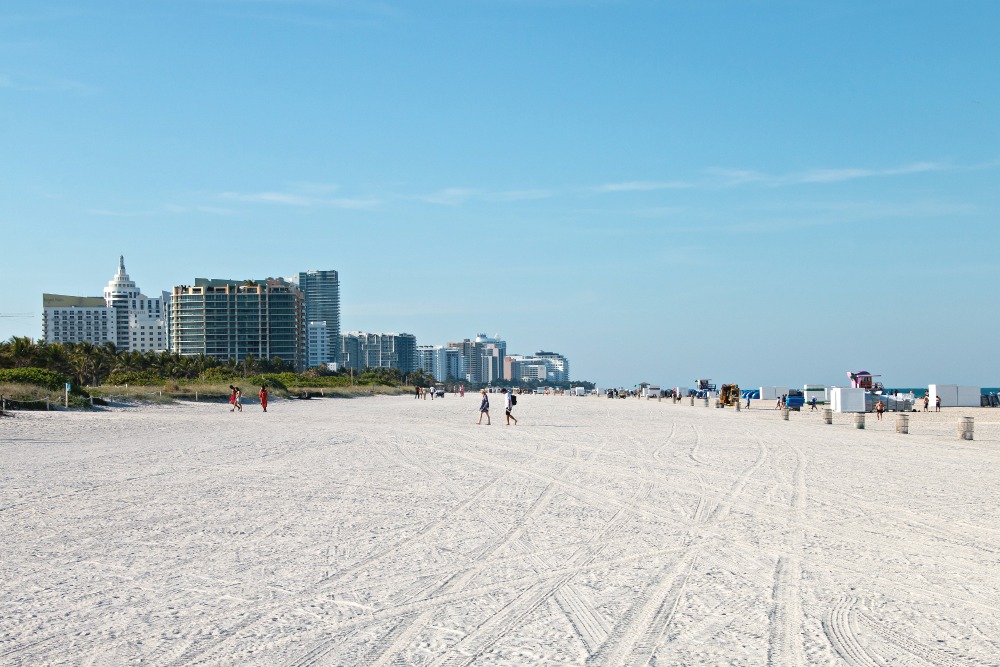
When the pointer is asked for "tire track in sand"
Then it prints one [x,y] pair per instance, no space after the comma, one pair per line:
[841,628]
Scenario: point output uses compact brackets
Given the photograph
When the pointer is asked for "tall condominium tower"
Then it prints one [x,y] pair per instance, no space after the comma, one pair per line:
[321,291]
[230,319]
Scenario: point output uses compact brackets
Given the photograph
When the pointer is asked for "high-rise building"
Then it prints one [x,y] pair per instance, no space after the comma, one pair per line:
[137,323]
[482,358]
[321,291]
[230,319]
[540,367]
[433,360]
[361,350]
[491,358]
[317,345]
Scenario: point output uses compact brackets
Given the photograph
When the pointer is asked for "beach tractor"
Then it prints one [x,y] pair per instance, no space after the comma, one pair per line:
[729,395]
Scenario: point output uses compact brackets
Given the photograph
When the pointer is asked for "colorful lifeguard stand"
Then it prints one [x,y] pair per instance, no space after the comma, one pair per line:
[864,380]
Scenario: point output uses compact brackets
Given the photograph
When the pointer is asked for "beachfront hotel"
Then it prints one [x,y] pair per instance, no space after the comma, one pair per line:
[230,319]
[321,292]
[360,350]
[540,367]
[123,316]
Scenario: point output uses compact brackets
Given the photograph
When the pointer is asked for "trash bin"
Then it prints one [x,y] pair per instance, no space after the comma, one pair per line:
[965,426]
[903,424]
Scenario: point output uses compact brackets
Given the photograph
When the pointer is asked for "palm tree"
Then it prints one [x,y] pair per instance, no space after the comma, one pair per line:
[81,361]
[23,351]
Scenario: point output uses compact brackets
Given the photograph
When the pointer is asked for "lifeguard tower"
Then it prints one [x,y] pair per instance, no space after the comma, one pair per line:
[865,380]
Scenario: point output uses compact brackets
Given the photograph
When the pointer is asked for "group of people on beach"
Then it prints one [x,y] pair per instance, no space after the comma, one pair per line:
[927,402]
[236,398]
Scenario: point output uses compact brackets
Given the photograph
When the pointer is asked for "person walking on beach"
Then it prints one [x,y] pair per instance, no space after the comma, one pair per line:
[416,392]
[238,399]
[484,408]
[263,396]
[508,404]
[927,401]
[748,400]
[812,404]
[937,404]
[777,404]
[232,398]
[879,409]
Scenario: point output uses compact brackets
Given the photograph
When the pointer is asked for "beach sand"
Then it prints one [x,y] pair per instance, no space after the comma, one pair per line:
[388,531]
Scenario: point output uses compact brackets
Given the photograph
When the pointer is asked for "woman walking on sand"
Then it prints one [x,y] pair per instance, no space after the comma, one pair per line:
[484,408]
[263,396]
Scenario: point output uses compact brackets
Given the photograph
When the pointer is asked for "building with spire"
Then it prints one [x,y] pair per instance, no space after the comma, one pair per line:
[123,316]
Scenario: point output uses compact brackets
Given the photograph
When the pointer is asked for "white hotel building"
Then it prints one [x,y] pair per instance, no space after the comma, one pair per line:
[124,316]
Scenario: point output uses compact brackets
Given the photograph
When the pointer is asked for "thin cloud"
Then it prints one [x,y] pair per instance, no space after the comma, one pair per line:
[738,177]
[450,196]
[522,195]
[35,84]
[298,200]
[644,186]
[281,198]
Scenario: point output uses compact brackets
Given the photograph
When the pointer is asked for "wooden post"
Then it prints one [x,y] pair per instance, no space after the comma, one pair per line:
[903,424]
[784,414]
[828,415]
[859,420]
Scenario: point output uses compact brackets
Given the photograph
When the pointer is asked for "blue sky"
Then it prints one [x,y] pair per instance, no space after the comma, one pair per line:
[766,192]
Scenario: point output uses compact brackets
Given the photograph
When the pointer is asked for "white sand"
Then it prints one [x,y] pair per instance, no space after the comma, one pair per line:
[386,531]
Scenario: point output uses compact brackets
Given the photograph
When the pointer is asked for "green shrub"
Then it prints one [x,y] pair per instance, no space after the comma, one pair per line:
[37,376]
[138,378]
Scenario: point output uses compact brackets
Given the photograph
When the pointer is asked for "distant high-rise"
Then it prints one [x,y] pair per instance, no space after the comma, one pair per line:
[540,367]
[482,358]
[361,350]
[433,360]
[321,292]
[230,319]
